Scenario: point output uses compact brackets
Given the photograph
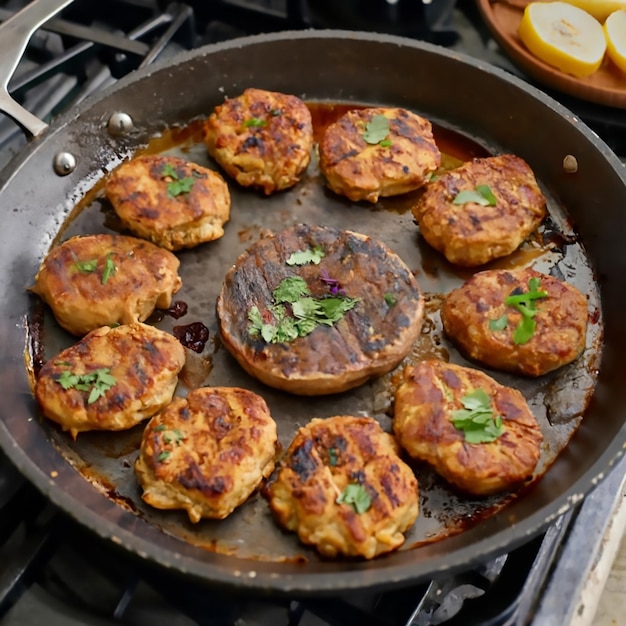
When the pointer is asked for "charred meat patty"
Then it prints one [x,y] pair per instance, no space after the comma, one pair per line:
[521,321]
[112,379]
[315,310]
[207,453]
[479,435]
[481,210]
[369,153]
[169,201]
[343,488]
[261,138]
[101,280]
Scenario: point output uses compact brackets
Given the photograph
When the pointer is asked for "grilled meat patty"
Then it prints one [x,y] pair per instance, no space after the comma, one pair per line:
[207,453]
[101,280]
[169,201]
[261,138]
[343,488]
[319,327]
[112,379]
[479,321]
[481,210]
[434,394]
[369,153]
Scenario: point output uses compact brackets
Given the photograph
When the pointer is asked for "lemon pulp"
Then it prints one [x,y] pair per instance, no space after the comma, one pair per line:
[563,36]
[600,9]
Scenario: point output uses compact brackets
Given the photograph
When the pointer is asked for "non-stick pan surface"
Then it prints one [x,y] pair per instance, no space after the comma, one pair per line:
[92,479]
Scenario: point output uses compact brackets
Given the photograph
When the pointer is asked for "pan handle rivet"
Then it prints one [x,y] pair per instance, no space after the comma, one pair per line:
[64,163]
[570,164]
[120,124]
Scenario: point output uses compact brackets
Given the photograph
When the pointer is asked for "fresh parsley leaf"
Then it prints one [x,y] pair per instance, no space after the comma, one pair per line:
[163,456]
[306,308]
[499,324]
[357,496]
[481,195]
[97,383]
[526,304]
[86,267]
[385,143]
[255,122]
[109,269]
[390,300]
[302,257]
[177,187]
[476,419]
[168,170]
[291,289]
[334,308]
[376,130]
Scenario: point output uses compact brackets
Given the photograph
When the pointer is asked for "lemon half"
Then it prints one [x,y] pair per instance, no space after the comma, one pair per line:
[615,31]
[563,36]
[600,9]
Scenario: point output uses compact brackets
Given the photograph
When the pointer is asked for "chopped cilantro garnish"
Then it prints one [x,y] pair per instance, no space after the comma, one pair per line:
[177,185]
[308,312]
[86,267]
[499,324]
[377,130]
[526,304]
[163,456]
[302,257]
[357,496]
[482,195]
[390,299]
[97,383]
[109,269]
[255,122]
[476,419]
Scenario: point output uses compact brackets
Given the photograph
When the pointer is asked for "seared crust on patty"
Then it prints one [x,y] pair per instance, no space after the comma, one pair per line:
[143,362]
[473,313]
[169,201]
[471,234]
[368,340]
[207,453]
[424,406]
[398,163]
[261,138]
[326,457]
[101,280]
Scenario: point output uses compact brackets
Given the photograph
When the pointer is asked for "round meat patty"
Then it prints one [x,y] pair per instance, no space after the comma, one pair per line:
[207,453]
[102,280]
[481,210]
[479,435]
[169,201]
[343,488]
[530,335]
[315,310]
[369,153]
[261,138]
[112,379]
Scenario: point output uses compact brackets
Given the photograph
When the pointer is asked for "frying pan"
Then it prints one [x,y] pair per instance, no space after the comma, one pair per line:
[89,480]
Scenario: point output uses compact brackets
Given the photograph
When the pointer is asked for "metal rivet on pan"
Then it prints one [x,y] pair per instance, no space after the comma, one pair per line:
[570,164]
[120,123]
[64,163]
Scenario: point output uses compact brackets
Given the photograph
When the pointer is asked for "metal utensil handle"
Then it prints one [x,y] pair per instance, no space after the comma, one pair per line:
[14,36]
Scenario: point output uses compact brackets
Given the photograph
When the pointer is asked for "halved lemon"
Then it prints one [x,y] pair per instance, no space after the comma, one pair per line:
[563,36]
[600,9]
[615,31]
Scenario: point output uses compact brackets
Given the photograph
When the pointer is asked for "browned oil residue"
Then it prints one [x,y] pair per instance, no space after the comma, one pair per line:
[36,342]
[193,336]
[175,137]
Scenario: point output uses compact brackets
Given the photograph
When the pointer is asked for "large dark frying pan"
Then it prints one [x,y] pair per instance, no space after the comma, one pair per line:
[496,110]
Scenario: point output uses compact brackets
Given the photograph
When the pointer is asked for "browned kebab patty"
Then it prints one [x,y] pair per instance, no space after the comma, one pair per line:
[431,400]
[458,217]
[101,280]
[364,162]
[261,138]
[343,488]
[320,327]
[112,379]
[479,321]
[207,453]
[169,201]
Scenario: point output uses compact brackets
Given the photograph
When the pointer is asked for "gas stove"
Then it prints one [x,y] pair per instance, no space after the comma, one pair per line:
[54,571]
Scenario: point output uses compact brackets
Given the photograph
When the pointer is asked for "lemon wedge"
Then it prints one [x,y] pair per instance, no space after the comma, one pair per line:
[615,31]
[600,9]
[563,36]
